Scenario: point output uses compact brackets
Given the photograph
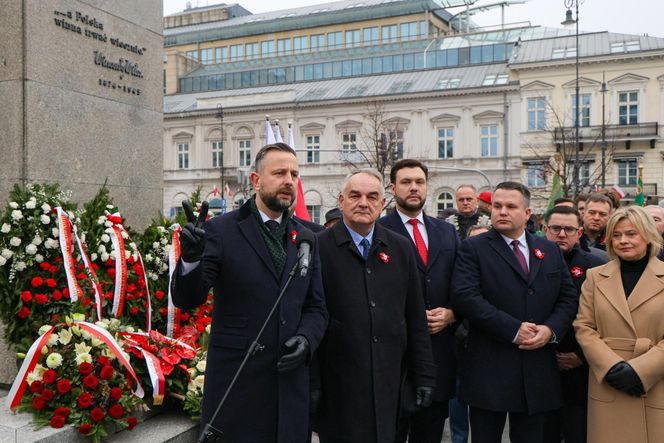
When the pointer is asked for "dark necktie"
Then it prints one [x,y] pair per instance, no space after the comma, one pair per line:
[519,256]
[365,248]
[272,225]
[419,241]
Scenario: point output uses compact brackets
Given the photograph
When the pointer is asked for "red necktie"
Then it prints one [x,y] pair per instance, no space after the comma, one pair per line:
[519,256]
[419,241]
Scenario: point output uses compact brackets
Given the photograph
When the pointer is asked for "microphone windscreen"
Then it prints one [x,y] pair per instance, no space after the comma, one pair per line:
[304,236]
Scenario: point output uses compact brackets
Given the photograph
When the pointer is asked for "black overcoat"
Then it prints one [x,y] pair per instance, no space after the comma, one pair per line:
[377,328]
[264,406]
[491,291]
[436,279]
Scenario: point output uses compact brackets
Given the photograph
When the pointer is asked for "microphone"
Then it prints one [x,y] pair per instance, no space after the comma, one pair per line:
[304,242]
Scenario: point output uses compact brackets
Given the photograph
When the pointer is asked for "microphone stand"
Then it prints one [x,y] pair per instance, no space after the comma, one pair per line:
[211,434]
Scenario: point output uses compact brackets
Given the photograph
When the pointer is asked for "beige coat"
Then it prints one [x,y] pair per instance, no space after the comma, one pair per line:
[611,328]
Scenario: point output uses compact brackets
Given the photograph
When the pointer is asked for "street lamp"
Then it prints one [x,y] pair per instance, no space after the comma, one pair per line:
[569,4]
[220,116]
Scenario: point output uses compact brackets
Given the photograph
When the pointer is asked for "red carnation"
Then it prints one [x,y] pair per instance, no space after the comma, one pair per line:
[90,381]
[97,414]
[130,296]
[103,361]
[36,282]
[200,327]
[26,296]
[111,273]
[24,312]
[107,372]
[85,400]
[49,376]
[57,421]
[53,269]
[85,429]
[38,403]
[86,301]
[81,276]
[163,311]
[64,386]
[159,295]
[48,394]
[44,266]
[51,283]
[41,299]
[131,287]
[108,295]
[134,310]
[62,411]
[36,387]
[116,393]
[116,411]
[85,368]
[65,292]
[138,269]
[131,423]
[57,295]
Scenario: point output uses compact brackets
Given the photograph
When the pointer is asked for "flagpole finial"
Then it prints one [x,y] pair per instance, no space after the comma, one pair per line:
[289,124]
[267,117]
[276,121]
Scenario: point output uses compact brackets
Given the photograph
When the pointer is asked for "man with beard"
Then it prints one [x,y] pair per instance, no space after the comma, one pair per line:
[435,243]
[246,256]
[467,212]
[563,227]
[377,327]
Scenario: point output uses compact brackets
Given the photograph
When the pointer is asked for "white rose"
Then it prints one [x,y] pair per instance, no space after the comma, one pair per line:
[93,256]
[112,254]
[31,204]
[20,266]
[39,258]
[15,241]
[6,253]
[3,261]
[155,245]
[17,215]
[45,219]
[51,243]
[164,241]
[64,337]
[55,232]
[5,228]
[148,258]
[201,365]
[13,205]
[37,240]
[104,257]
[110,207]
[101,249]
[105,238]
[46,208]
[54,360]
[199,382]
[31,249]
[108,224]
[101,220]
[127,254]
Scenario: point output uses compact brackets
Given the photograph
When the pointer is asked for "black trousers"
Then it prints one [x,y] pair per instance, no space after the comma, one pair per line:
[425,426]
[487,427]
[572,423]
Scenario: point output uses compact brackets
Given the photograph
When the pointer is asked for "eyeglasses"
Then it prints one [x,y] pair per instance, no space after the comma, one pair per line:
[569,230]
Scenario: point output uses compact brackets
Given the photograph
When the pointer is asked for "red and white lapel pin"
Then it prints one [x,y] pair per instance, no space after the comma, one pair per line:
[384,257]
[576,272]
[293,236]
[539,254]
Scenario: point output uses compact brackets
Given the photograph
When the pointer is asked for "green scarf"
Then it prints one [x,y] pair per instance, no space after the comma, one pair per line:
[274,241]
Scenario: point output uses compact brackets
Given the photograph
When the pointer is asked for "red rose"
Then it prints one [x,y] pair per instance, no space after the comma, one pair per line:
[200,327]
[26,296]
[108,295]
[163,311]
[64,386]
[62,411]
[107,372]
[53,269]
[97,414]
[184,316]
[81,276]
[111,273]
[103,361]
[51,283]
[116,393]
[57,295]
[24,312]
[131,423]
[131,287]
[38,403]
[49,376]
[130,296]
[85,400]
[41,298]
[48,394]
[86,301]
[85,429]
[85,368]
[44,266]
[116,411]
[159,295]
[36,387]
[36,282]
[57,421]
[134,310]
[65,292]
[90,381]
[140,294]
[138,269]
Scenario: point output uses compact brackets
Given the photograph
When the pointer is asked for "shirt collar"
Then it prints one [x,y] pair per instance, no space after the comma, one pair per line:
[357,238]
[405,218]
[522,239]
[265,217]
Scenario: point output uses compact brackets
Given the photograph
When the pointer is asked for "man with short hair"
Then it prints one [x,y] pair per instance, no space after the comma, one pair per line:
[467,213]
[563,227]
[435,244]
[657,214]
[598,209]
[377,328]
[564,201]
[580,202]
[516,292]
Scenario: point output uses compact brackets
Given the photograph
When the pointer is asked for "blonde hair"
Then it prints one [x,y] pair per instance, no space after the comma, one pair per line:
[643,224]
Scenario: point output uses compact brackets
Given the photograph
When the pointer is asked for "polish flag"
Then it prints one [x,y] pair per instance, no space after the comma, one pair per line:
[301,206]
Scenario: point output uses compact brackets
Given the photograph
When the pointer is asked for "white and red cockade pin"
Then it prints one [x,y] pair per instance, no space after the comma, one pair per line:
[384,257]
[539,254]
[293,236]
[576,272]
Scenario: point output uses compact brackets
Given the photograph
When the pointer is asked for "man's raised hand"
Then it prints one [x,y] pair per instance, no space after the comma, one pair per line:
[192,237]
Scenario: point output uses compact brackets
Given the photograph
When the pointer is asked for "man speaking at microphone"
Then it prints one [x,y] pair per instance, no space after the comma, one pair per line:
[246,256]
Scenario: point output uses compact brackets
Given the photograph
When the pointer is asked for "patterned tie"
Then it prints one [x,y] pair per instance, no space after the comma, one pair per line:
[419,241]
[519,256]
[272,225]
[365,248]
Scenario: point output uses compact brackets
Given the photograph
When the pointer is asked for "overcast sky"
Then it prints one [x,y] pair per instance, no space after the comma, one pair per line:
[624,16]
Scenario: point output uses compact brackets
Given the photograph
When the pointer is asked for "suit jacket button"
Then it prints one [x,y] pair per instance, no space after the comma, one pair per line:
[283,322]
[368,271]
[373,304]
[428,279]
[375,339]
[531,292]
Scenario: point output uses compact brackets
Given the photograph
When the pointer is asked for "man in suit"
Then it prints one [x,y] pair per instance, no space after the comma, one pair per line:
[516,292]
[598,209]
[435,243]
[563,227]
[246,256]
[377,326]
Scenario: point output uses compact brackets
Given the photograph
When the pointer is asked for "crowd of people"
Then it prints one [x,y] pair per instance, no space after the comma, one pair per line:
[406,320]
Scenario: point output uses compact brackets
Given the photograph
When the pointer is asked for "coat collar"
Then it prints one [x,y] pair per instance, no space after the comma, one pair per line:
[342,236]
[498,244]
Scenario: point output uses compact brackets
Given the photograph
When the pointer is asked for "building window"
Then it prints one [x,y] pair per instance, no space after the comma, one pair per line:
[236,52]
[536,113]
[283,46]
[396,144]
[220,54]
[408,31]
[334,40]
[349,146]
[300,44]
[370,35]
[627,172]
[245,152]
[183,155]
[563,53]
[353,38]
[445,201]
[489,140]
[314,213]
[251,50]
[318,42]
[535,173]
[495,79]
[424,29]
[313,148]
[389,33]
[267,48]
[448,83]
[628,108]
[207,56]
[584,109]
[192,54]
[217,148]
[584,173]
[445,142]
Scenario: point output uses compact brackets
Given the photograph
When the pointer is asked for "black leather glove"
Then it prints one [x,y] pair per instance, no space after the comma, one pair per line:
[298,345]
[192,237]
[424,396]
[624,378]
[315,397]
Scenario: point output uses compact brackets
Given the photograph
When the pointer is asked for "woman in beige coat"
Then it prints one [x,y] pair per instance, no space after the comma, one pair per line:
[620,327]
